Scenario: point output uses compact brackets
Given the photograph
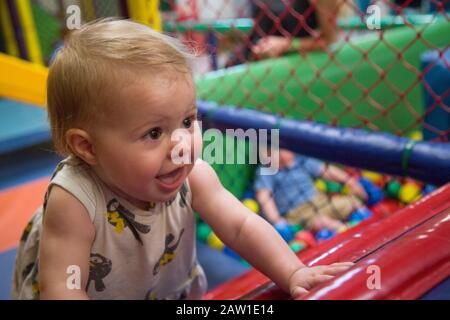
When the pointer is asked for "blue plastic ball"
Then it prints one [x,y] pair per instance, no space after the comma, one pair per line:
[249,194]
[428,189]
[325,234]
[361,214]
[374,193]
[284,230]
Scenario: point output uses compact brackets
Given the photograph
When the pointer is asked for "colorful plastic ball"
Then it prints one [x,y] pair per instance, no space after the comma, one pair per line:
[354,218]
[245,263]
[251,204]
[325,234]
[346,190]
[428,189]
[342,229]
[203,231]
[307,237]
[353,223]
[249,194]
[353,172]
[416,135]
[361,214]
[386,208]
[374,193]
[214,242]
[284,230]
[375,196]
[321,185]
[373,176]
[393,189]
[409,192]
[297,246]
[295,227]
[334,187]
[366,183]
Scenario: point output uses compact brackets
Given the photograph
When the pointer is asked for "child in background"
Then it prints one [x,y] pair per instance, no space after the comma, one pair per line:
[117,221]
[289,196]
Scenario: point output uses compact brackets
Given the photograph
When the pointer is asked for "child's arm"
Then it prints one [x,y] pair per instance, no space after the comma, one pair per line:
[268,205]
[252,237]
[335,174]
[66,241]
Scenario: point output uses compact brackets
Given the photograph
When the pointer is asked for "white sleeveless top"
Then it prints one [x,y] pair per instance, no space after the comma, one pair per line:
[136,254]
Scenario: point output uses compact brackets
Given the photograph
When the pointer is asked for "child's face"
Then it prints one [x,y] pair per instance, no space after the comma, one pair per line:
[134,147]
[286,158]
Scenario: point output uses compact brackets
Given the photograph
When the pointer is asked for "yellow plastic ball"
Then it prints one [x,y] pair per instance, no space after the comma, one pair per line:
[251,204]
[346,190]
[214,242]
[372,176]
[416,135]
[409,192]
[321,185]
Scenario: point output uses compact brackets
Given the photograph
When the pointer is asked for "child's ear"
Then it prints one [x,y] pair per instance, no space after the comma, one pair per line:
[81,144]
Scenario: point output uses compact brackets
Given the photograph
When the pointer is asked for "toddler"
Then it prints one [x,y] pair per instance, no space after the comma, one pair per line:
[290,194]
[117,221]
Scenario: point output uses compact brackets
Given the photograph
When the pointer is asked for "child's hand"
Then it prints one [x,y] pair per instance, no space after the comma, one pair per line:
[305,278]
[322,221]
[357,189]
[271,46]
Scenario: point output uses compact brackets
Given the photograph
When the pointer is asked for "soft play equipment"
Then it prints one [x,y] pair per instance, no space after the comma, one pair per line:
[282,85]
[435,84]
[375,151]
[33,128]
[398,244]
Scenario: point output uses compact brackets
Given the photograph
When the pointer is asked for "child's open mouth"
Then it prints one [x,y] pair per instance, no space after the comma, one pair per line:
[172,180]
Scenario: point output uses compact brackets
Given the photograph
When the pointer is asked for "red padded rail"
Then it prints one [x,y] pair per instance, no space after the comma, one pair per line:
[407,268]
[352,245]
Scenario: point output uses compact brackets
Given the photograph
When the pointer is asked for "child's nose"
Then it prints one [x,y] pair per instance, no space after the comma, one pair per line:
[180,146]
[178,150]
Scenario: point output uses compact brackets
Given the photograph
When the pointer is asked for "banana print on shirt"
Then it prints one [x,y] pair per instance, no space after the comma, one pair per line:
[169,252]
[119,217]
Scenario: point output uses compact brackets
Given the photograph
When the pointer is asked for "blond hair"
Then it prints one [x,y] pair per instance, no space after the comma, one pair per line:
[93,60]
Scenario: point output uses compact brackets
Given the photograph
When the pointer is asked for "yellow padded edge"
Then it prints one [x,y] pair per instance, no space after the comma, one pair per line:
[22,80]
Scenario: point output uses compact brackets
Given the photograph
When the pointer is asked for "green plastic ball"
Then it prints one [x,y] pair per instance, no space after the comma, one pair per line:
[296,246]
[203,232]
[393,189]
[245,263]
[334,187]
[295,228]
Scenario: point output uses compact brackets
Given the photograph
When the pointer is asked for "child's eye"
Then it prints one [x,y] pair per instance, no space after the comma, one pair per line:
[187,123]
[154,133]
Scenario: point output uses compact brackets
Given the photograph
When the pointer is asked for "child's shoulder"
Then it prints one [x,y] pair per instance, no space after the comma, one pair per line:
[203,180]
[74,171]
[77,179]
